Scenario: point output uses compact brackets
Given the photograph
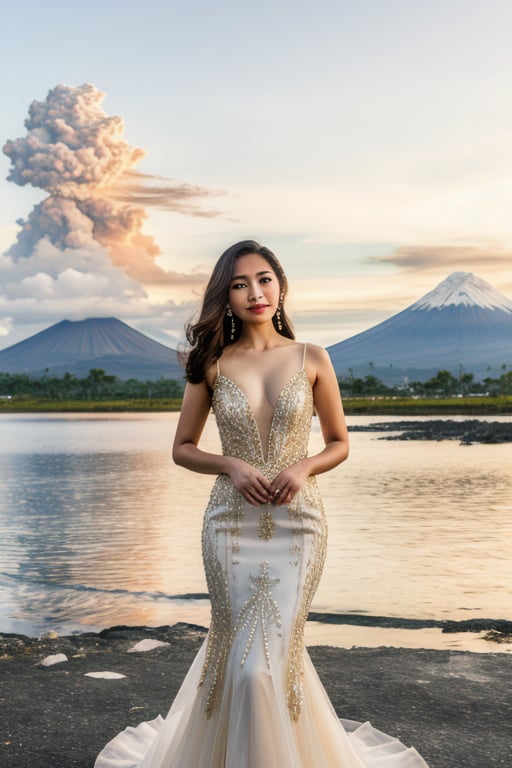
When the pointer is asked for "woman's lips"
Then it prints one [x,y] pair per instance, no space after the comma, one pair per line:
[258,308]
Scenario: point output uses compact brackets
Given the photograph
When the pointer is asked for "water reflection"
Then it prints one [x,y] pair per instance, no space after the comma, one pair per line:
[428,521]
[97,526]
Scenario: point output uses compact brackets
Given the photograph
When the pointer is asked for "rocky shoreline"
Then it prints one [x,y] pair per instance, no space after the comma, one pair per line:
[498,630]
[467,432]
[453,706]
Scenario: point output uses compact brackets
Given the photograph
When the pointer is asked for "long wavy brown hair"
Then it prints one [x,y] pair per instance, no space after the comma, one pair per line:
[212,331]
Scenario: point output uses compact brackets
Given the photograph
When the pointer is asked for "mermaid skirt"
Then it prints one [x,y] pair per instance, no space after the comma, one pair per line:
[252,698]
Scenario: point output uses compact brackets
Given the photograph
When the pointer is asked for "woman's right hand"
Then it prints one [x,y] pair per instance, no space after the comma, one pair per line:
[254,487]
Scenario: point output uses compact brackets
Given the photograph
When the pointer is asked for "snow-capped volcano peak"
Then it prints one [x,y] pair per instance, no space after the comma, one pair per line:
[467,289]
[464,323]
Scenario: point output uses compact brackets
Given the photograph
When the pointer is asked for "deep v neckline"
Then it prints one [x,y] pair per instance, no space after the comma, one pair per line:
[264,455]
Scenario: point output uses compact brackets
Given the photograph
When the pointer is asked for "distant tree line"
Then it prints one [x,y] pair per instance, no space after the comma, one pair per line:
[98,385]
[443,384]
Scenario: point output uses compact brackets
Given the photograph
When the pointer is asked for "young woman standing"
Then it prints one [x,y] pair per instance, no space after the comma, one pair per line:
[252,698]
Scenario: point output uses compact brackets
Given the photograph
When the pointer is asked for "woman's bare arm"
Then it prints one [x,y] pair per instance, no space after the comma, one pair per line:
[185,451]
[326,393]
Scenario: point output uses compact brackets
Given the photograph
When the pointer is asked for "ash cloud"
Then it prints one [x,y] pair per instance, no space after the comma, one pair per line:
[77,153]
[140,188]
[85,240]
[72,147]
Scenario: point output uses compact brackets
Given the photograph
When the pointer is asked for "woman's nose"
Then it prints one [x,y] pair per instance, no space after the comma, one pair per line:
[255,292]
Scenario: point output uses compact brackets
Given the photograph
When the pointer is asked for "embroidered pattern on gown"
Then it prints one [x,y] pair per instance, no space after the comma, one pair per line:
[251,698]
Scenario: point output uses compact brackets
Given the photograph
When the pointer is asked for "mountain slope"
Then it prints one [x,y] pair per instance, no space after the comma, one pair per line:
[464,323]
[102,342]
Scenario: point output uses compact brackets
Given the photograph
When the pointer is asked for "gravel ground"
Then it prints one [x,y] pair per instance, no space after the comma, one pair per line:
[454,707]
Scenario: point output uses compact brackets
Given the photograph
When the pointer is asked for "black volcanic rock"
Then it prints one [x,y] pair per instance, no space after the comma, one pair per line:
[464,323]
[103,342]
[468,431]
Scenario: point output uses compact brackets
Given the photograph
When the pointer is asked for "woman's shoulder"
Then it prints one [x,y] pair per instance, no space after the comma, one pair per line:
[315,353]
[315,349]
[317,362]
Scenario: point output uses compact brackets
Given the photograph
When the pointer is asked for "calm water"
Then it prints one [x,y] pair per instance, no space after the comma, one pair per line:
[98,527]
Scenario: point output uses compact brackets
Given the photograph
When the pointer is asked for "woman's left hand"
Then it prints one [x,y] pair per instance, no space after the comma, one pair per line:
[286,485]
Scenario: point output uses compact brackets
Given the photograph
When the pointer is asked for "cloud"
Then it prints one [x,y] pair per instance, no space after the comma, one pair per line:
[65,275]
[445,257]
[83,248]
[72,147]
[5,326]
[139,188]
[167,325]
[57,220]
[77,153]
[329,326]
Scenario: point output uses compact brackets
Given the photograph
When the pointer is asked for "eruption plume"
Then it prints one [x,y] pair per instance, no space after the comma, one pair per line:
[77,153]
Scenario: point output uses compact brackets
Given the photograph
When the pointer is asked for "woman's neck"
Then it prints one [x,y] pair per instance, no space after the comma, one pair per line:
[260,337]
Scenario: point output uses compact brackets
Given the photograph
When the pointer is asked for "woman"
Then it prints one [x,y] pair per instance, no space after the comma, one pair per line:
[252,698]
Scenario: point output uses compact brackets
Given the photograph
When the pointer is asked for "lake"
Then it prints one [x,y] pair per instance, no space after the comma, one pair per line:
[98,527]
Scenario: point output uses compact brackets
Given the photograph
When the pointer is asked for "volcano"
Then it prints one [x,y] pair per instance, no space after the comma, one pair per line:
[101,342]
[463,325]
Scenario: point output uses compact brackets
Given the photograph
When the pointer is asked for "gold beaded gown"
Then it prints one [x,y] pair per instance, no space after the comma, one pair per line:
[252,698]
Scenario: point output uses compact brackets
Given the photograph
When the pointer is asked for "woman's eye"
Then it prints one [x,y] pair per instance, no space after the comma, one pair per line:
[265,280]
[238,285]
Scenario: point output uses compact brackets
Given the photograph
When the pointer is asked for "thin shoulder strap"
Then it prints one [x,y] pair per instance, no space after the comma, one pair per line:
[218,367]
[304,356]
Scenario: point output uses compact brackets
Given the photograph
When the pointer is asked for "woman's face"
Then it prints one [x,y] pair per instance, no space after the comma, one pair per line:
[254,289]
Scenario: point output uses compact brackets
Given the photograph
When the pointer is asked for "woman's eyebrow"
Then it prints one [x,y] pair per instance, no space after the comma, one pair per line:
[244,277]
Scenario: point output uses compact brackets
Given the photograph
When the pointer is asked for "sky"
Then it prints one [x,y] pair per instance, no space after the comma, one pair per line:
[367,144]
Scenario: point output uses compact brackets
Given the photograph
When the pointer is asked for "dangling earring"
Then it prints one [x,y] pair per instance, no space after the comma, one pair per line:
[229,313]
[278,313]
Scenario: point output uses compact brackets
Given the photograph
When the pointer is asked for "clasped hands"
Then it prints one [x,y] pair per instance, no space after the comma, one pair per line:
[258,490]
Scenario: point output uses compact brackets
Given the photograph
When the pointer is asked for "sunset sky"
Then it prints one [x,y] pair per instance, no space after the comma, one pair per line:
[368,144]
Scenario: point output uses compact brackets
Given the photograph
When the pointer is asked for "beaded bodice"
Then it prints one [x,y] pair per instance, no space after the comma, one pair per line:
[289,430]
